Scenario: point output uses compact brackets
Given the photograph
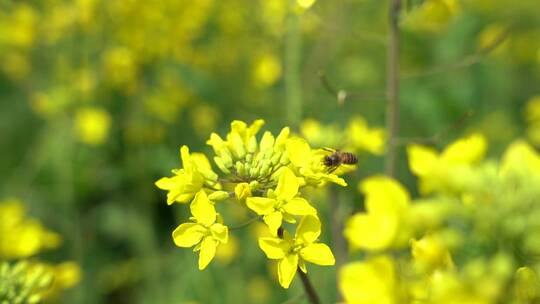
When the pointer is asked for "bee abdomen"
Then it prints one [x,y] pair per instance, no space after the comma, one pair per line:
[349,158]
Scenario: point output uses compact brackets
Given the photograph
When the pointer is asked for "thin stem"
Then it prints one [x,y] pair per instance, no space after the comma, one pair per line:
[392,108]
[246,223]
[308,287]
[293,89]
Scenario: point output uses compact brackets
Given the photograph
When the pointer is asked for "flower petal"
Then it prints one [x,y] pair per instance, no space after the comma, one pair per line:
[273,220]
[261,205]
[208,251]
[274,248]
[287,269]
[299,151]
[188,234]
[288,184]
[202,209]
[319,254]
[309,229]
[220,232]
[186,158]
[299,206]
[422,160]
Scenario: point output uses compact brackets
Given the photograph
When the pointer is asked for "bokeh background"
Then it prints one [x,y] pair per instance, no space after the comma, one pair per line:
[96,96]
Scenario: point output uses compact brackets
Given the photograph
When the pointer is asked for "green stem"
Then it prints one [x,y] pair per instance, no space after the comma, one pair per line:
[293,88]
[392,107]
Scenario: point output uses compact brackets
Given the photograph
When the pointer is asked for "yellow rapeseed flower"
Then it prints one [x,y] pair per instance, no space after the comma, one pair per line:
[281,204]
[292,253]
[92,125]
[450,170]
[372,281]
[186,182]
[205,233]
[309,163]
[378,228]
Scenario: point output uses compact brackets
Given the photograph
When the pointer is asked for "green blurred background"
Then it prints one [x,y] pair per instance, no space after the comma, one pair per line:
[96,97]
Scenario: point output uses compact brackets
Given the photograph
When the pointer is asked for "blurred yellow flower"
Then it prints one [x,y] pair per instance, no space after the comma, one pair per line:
[22,237]
[450,169]
[364,138]
[430,253]
[386,204]
[532,116]
[372,281]
[432,15]
[266,70]
[227,252]
[92,125]
[292,253]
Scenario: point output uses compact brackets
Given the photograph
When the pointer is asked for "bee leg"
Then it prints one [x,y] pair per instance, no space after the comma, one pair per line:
[329,149]
[332,169]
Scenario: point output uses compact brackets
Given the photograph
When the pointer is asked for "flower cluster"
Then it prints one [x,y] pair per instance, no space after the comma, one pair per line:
[265,176]
[471,238]
[23,279]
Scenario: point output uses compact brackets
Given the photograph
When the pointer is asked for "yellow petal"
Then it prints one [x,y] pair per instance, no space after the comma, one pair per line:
[261,205]
[220,232]
[208,251]
[299,206]
[299,151]
[281,139]
[203,166]
[309,229]
[202,209]
[273,220]
[274,248]
[422,159]
[384,195]
[370,281]
[287,269]
[267,141]
[186,158]
[288,184]
[371,232]
[466,150]
[319,254]
[188,234]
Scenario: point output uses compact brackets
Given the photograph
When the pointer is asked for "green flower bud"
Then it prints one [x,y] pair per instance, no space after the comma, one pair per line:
[265,169]
[220,164]
[227,158]
[252,144]
[240,169]
[253,171]
[254,185]
[284,160]
[218,195]
[275,159]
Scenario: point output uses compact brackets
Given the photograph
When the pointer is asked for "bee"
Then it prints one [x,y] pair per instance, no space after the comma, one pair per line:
[337,158]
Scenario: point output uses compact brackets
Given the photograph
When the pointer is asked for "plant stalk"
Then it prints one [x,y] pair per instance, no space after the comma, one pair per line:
[392,106]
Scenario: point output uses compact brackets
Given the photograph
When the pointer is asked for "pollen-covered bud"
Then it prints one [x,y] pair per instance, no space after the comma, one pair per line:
[242,191]
[218,195]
